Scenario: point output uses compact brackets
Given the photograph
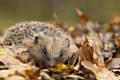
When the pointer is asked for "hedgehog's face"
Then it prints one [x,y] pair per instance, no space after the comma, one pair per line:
[52,58]
[51,50]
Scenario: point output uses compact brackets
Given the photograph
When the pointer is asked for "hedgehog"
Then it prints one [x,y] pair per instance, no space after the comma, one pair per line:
[42,42]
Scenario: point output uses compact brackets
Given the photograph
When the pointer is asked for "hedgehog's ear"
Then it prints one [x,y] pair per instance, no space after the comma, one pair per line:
[36,40]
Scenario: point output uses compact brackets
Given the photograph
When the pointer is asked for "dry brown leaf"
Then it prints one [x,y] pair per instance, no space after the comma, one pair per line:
[101,73]
[86,51]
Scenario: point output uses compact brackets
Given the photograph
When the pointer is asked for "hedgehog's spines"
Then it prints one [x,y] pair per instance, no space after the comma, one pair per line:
[37,36]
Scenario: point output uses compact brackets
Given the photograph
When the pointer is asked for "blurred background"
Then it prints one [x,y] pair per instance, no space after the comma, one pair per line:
[12,11]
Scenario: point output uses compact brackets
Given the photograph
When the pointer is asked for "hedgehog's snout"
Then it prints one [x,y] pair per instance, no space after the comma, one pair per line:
[51,64]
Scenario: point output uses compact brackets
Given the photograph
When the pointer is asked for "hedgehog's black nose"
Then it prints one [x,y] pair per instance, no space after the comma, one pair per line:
[51,65]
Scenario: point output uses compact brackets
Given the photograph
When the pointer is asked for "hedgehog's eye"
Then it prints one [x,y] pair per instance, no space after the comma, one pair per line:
[61,55]
[44,51]
[9,44]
